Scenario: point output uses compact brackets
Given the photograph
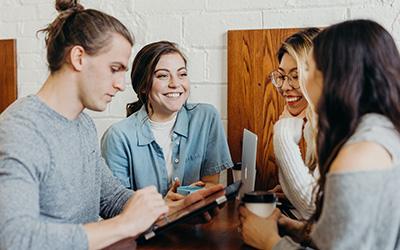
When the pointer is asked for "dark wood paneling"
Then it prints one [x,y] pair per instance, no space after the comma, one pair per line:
[8,73]
[253,101]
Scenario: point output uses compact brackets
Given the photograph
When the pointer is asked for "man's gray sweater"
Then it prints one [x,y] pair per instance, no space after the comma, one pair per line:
[52,178]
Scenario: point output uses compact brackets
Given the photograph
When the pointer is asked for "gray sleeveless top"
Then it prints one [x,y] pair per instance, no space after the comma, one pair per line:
[377,128]
[361,208]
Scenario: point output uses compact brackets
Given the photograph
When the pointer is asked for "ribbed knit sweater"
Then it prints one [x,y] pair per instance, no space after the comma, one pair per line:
[294,176]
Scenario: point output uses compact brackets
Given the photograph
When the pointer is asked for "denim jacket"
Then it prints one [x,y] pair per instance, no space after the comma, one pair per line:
[200,149]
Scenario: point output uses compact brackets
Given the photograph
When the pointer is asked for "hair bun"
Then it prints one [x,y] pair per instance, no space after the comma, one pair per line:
[64,5]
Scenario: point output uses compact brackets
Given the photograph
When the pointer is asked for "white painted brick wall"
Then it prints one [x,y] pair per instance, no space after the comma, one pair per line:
[198,26]
[300,17]
[196,64]
[21,13]
[207,30]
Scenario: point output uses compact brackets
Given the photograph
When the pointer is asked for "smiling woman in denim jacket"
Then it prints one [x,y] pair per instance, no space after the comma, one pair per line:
[165,141]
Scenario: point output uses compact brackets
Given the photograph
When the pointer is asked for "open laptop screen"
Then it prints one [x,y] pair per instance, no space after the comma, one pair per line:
[249,156]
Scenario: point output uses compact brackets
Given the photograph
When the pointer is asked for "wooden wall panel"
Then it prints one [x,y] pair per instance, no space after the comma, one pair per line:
[253,101]
[8,73]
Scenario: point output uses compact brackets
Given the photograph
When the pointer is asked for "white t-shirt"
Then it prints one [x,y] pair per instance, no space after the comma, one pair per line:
[163,134]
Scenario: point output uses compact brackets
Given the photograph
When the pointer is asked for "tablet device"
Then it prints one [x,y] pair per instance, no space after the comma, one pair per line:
[191,211]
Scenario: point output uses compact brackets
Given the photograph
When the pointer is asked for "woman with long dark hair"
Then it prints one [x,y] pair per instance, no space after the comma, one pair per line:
[354,82]
[165,141]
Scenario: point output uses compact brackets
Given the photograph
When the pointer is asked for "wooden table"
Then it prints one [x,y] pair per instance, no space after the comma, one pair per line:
[219,233]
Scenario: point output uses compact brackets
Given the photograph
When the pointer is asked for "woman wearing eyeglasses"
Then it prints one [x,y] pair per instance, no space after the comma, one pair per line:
[296,178]
[353,81]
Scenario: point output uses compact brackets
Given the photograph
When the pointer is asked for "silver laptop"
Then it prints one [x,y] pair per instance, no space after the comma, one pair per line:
[249,156]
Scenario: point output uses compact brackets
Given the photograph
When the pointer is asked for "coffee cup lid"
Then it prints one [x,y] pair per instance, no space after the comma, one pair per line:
[237,166]
[259,197]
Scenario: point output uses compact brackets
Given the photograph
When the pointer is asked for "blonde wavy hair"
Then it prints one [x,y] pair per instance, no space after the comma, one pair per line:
[298,46]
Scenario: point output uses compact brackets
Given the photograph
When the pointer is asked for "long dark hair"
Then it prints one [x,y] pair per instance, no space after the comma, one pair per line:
[360,65]
[142,73]
[75,25]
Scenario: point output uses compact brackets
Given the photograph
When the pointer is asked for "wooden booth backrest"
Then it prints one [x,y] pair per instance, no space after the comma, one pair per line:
[253,102]
[8,73]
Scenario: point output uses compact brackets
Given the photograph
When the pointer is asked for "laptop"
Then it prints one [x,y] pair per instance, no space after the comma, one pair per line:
[249,156]
[191,211]
[249,170]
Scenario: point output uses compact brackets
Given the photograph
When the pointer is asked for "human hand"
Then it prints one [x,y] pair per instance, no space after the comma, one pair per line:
[277,190]
[259,232]
[174,196]
[202,193]
[198,198]
[198,183]
[286,114]
[141,211]
[290,227]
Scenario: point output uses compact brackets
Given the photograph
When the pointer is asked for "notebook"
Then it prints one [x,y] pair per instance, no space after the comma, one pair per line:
[189,212]
[249,156]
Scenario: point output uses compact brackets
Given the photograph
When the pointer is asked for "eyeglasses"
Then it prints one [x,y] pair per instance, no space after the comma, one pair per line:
[278,79]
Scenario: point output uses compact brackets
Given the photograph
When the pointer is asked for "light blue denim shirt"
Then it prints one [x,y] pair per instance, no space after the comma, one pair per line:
[200,149]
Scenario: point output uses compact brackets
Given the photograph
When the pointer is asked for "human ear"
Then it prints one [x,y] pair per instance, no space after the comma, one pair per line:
[76,57]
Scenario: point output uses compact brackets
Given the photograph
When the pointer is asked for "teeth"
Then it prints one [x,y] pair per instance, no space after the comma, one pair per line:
[173,95]
[293,99]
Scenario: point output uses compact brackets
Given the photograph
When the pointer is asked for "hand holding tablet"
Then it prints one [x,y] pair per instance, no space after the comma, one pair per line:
[178,193]
[186,190]
[194,205]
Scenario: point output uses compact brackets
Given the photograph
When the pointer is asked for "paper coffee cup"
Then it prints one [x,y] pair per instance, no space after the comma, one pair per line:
[237,175]
[237,172]
[261,203]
